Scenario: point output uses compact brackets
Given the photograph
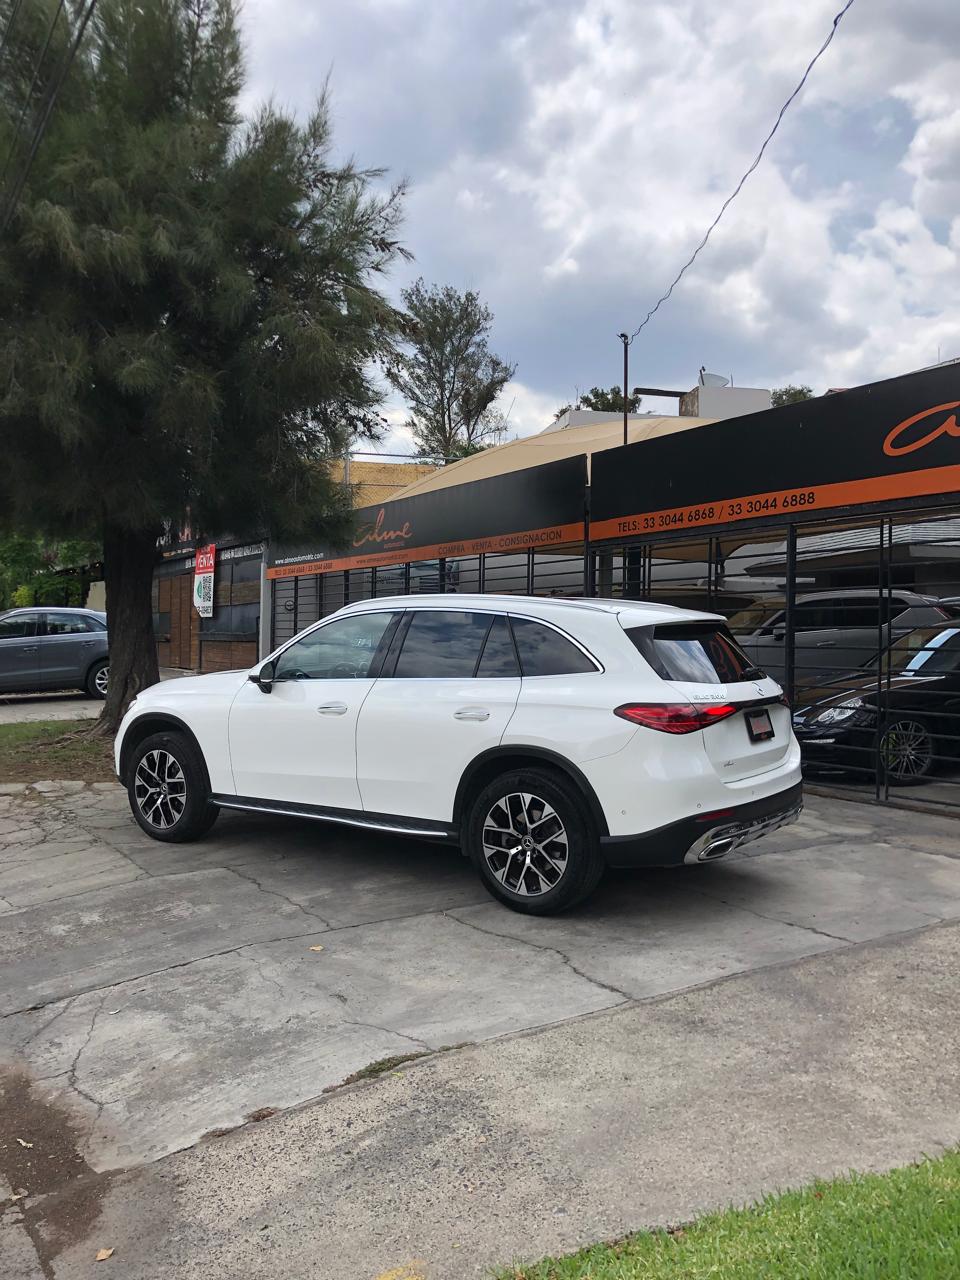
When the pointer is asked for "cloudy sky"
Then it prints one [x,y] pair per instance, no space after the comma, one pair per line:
[565,156]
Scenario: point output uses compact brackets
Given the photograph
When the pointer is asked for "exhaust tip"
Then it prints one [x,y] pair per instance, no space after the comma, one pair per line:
[716,849]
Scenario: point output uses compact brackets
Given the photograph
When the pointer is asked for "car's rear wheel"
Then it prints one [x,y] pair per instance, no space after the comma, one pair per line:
[98,677]
[168,789]
[531,838]
[907,752]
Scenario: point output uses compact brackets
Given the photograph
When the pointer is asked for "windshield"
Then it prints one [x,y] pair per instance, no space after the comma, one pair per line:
[932,650]
[755,615]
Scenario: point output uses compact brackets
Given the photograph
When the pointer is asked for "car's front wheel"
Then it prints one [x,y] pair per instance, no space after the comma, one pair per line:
[907,752]
[531,838]
[168,790]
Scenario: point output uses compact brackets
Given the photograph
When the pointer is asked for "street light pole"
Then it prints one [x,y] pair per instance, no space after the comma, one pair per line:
[626,369]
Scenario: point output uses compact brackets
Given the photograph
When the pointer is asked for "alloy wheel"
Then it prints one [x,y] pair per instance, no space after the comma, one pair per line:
[160,789]
[101,680]
[525,844]
[905,750]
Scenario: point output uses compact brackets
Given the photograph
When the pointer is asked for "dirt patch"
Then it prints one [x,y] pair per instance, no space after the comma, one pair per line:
[57,1193]
[67,750]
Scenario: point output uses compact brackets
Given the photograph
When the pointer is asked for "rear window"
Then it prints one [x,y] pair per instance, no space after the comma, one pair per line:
[701,653]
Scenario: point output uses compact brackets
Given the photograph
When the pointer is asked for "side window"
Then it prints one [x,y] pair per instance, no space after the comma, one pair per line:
[442,644]
[67,624]
[499,653]
[857,611]
[342,650]
[544,652]
[21,624]
[813,615]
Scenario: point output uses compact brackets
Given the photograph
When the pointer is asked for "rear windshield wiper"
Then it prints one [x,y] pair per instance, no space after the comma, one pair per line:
[752,673]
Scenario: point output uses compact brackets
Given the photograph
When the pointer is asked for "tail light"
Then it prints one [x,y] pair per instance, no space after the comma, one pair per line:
[675,717]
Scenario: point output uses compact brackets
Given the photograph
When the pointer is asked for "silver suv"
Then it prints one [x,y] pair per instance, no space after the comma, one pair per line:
[48,648]
[834,630]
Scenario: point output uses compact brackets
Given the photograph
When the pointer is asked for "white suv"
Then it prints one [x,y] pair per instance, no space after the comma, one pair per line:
[550,738]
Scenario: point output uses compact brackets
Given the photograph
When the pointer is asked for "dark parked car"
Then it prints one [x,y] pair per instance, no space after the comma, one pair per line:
[838,725]
[46,648]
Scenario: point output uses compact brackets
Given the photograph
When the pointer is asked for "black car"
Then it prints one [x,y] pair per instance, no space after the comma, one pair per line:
[901,717]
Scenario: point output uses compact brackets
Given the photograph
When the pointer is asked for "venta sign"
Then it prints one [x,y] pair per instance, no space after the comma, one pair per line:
[203,580]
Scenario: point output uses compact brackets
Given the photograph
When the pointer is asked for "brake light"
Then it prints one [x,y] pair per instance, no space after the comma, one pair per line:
[675,717]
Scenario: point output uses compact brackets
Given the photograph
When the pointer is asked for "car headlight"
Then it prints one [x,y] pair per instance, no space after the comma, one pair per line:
[838,713]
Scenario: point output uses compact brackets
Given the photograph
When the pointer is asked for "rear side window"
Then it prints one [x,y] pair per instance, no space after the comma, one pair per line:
[499,654]
[544,652]
[442,645]
[68,624]
[701,653]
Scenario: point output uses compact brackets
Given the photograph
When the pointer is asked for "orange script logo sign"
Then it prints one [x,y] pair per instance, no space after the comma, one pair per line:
[377,533]
[948,427]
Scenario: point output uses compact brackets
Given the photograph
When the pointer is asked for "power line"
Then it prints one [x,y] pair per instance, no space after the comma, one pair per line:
[759,156]
[46,108]
[15,139]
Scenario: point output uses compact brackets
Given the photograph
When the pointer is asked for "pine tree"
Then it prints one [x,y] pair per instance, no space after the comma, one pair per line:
[188,316]
[448,375]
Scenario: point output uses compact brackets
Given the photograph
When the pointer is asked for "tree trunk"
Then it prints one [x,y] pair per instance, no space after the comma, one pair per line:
[128,563]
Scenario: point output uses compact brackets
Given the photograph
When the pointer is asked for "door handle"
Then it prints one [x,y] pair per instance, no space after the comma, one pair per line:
[472,713]
[826,644]
[30,648]
[332,708]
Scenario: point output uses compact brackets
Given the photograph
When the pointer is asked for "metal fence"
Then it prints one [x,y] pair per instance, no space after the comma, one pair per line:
[858,619]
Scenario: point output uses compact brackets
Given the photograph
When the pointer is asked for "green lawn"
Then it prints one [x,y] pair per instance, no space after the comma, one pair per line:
[903,1225]
[62,750]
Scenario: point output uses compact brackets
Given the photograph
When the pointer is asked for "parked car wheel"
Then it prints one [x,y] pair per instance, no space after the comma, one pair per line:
[98,678]
[907,752]
[168,790]
[533,842]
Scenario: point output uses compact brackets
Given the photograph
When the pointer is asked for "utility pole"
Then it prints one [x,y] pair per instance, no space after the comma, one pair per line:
[626,369]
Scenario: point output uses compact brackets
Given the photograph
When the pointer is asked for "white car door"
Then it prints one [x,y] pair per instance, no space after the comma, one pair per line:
[449,696]
[297,744]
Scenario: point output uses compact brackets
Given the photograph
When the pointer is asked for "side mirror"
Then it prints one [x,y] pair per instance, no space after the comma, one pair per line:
[263,677]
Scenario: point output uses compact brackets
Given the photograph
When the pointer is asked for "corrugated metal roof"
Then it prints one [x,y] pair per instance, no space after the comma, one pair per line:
[375,482]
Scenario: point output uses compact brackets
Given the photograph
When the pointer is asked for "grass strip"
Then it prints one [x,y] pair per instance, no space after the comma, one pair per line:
[902,1225]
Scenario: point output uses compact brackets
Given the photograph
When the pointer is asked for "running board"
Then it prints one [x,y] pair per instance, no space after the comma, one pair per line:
[395,826]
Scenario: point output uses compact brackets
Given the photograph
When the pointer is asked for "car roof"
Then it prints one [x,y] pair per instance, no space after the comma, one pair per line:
[631,612]
[52,608]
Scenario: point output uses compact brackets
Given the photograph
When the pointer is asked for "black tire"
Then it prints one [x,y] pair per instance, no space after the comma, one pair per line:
[523,878]
[96,679]
[907,752]
[164,768]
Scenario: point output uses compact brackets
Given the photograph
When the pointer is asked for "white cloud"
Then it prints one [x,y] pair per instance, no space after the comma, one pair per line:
[566,156]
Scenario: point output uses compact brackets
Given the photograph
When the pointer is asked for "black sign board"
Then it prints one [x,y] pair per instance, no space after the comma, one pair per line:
[883,442]
[538,507]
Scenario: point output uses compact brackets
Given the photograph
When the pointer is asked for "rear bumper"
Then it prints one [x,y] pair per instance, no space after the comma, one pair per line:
[707,837]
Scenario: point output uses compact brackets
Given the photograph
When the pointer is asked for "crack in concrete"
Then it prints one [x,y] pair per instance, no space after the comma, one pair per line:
[152,973]
[257,964]
[543,946]
[72,1081]
[389,1031]
[790,924]
[275,893]
[38,1031]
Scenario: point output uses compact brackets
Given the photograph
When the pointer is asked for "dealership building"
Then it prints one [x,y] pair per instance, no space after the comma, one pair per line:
[852,498]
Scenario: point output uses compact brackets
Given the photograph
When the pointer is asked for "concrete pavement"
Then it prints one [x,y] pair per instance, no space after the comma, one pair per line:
[30,708]
[157,993]
[543,1142]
